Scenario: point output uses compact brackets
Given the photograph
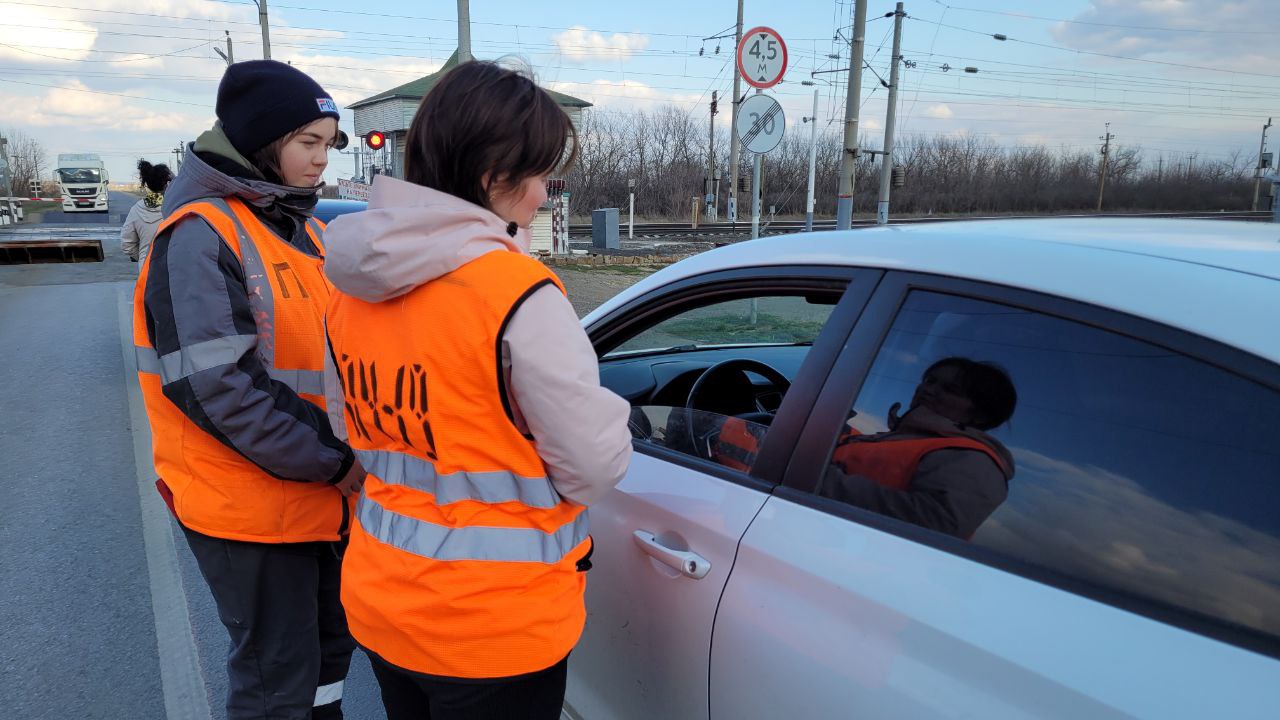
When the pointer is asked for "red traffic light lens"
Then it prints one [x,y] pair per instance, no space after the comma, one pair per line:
[375,140]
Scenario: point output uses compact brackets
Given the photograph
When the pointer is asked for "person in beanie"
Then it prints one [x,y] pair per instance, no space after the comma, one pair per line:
[140,224]
[228,331]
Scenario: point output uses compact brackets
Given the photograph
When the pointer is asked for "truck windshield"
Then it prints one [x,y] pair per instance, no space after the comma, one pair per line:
[79,175]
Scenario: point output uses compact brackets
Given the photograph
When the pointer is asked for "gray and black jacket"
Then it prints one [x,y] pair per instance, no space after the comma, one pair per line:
[196,293]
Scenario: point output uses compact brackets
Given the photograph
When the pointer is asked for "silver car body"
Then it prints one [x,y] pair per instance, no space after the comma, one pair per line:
[806,615]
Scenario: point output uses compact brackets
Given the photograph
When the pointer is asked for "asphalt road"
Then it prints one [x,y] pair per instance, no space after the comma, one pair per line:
[118,204]
[105,614]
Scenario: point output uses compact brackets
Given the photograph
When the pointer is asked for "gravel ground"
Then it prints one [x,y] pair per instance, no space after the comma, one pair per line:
[591,285]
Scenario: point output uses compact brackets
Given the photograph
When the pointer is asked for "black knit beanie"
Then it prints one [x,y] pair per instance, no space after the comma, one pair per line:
[260,101]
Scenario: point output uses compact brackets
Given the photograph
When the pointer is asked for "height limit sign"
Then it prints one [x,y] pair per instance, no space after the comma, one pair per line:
[762,57]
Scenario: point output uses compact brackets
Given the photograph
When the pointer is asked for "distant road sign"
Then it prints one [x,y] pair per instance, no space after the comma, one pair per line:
[762,57]
[760,123]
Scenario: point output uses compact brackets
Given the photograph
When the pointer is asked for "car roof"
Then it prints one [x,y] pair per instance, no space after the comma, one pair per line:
[1215,278]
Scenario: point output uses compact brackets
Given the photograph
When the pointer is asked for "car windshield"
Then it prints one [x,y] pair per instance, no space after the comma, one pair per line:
[79,175]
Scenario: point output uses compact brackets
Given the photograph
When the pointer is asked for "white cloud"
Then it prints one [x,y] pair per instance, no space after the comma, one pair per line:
[70,106]
[33,34]
[631,94]
[578,44]
[1097,524]
[1171,31]
[335,73]
[939,111]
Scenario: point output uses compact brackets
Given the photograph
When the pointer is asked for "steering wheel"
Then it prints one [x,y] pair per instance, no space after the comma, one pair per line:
[761,415]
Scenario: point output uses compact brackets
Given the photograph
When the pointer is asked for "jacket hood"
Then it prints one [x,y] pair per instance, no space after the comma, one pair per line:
[198,180]
[408,236]
[923,421]
[147,214]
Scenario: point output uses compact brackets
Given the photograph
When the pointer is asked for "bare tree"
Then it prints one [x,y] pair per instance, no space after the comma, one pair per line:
[664,152]
[26,161]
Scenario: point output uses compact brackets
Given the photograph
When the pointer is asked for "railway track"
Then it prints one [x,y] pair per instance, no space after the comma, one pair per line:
[781,227]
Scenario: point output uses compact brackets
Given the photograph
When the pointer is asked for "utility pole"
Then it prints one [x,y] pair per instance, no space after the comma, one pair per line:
[464,31]
[1257,175]
[711,163]
[813,162]
[849,160]
[734,148]
[1106,153]
[266,35]
[886,169]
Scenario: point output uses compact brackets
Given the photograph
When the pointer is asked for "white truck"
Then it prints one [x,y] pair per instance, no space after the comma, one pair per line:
[82,178]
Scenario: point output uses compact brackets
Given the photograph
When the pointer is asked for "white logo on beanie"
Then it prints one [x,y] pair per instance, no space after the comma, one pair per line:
[326,105]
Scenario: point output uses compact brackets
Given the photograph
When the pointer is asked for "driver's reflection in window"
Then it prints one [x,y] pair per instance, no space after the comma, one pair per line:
[936,466]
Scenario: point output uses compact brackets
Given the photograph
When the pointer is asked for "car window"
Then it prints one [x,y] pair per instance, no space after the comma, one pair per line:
[707,380]
[759,320]
[1093,454]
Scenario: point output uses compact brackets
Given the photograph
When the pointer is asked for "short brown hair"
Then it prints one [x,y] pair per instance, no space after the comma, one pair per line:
[482,120]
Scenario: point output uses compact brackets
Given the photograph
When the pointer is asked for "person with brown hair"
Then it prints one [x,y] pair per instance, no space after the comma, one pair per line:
[228,330]
[469,390]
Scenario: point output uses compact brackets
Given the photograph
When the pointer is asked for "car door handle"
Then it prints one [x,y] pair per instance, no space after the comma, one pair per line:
[690,564]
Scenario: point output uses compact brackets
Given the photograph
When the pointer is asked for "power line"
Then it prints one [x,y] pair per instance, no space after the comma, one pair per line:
[1061,69]
[1004,37]
[116,52]
[103,92]
[1024,16]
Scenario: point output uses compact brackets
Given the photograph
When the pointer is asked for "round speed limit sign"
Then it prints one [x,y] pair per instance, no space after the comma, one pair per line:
[760,123]
[762,57]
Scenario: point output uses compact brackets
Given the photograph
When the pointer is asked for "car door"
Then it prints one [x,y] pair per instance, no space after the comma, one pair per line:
[665,538]
[1133,570]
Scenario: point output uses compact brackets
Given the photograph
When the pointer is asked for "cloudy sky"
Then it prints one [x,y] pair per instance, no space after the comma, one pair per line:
[134,78]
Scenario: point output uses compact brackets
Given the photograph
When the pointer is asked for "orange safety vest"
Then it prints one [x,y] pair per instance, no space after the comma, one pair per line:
[737,446]
[464,561]
[210,487]
[892,462]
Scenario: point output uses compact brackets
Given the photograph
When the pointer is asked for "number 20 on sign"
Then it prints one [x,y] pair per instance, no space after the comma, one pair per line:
[762,57]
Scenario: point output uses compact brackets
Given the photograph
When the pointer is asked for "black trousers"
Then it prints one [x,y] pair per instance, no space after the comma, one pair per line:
[410,696]
[290,647]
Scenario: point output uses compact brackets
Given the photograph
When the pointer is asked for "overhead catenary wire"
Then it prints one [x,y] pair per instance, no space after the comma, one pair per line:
[1093,23]
[1008,38]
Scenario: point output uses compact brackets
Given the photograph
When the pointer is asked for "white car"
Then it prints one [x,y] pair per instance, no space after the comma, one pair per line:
[1131,568]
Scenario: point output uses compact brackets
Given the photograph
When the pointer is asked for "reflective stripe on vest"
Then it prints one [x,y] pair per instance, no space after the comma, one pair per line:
[494,486]
[215,490]
[188,361]
[463,559]
[438,542]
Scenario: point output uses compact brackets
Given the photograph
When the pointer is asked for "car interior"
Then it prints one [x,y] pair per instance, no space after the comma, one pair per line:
[691,368]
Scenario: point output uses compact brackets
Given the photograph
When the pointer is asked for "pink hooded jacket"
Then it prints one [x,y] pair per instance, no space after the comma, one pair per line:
[411,235]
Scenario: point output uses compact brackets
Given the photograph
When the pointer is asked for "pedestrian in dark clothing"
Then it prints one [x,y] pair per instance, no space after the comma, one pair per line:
[230,344]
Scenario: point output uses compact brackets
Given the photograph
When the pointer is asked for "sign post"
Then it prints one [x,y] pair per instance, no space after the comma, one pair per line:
[762,61]
[761,124]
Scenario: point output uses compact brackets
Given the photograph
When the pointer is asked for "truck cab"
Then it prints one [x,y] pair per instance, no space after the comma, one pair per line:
[82,180]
